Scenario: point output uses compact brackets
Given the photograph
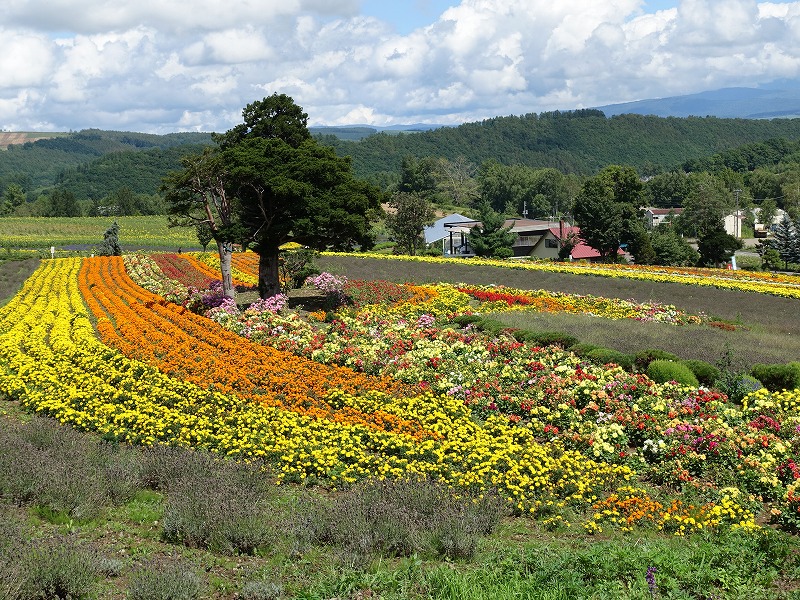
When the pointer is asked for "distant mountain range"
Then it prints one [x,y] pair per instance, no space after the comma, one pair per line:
[780,99]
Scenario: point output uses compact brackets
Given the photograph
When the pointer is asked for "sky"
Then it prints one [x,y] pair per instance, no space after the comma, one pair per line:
[162,66]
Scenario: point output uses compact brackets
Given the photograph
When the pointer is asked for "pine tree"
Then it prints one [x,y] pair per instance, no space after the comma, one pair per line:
[796,241]
[784,240]
[491,238]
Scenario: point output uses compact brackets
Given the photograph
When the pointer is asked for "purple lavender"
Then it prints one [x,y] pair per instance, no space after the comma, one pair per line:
[651,581]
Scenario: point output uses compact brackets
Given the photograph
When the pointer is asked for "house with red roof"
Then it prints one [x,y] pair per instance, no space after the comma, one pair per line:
[551,239]
[535,239]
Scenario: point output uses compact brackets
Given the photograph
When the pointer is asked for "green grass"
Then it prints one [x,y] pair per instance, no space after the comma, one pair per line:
[85,232]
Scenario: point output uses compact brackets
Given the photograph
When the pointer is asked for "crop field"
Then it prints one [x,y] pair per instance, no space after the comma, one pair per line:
[82,233]
[404,429]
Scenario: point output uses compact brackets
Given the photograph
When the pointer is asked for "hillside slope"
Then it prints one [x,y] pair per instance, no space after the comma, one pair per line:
[580,142]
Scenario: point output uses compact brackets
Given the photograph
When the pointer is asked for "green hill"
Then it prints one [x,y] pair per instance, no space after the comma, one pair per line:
[39,164]
[580,142]
[94,163]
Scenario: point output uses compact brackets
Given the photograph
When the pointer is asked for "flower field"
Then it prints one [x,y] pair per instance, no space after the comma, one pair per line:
[787,286]
[394,386]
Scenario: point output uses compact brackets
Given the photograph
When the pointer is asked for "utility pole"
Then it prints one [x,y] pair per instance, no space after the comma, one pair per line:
[737,223]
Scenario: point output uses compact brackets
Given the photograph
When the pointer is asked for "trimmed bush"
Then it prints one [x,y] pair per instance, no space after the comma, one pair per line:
[705,372]
[583,348]
[552,338]
[491,326]
[645,357]
[604,356]
[464,320]
[662,371]
[778,377]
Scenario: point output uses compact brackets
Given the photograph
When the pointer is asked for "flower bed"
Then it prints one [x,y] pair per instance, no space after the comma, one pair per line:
[562,440]
[780,285]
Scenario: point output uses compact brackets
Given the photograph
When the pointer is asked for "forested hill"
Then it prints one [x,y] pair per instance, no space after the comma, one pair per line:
[580,142]
[41,164]
[94,163]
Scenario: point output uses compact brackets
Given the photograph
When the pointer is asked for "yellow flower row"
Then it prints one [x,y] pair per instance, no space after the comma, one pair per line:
[786,287]
[52,362]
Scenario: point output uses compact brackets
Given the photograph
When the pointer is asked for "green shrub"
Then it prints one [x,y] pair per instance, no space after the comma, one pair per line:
[66,474]
[583,348]
[705,372]
[551,338]
[662,371]
[737,385]
[491,326]
[645,357]
[464,320]
[164,581]
[604,356]
[57,568]
[260,590]
[778,377]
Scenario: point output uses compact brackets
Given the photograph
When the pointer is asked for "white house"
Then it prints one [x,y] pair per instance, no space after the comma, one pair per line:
[653,217]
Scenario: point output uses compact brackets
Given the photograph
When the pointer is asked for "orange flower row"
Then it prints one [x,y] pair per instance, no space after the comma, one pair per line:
[211,272]
[246,262]
[187,346]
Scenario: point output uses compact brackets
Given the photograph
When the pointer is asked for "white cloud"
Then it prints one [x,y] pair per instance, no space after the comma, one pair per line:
[26,60]
[161,65]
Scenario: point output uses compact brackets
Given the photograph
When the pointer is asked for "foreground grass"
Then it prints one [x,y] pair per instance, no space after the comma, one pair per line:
[124,546]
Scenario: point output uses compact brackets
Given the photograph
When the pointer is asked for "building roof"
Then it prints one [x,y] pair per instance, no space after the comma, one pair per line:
[437,231]
[581,249]
[664,211]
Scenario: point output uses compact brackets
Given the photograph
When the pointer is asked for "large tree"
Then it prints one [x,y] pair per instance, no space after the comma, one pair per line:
[305,194]
[705,207]
[716,246]
[290,188]
[785,241]
[274,117]
[198,196]
[409,215]
[607,210]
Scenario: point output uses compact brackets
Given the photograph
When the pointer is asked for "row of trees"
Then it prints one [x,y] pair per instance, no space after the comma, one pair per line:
[62,202]
[608,211]
[267,182]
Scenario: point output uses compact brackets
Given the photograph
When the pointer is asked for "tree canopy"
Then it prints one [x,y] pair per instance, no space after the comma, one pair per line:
[305,194]
[491,238]
[411,213]
[607,210]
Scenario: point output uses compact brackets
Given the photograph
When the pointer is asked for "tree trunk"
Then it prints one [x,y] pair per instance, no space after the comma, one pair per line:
[225,251]
[269,283]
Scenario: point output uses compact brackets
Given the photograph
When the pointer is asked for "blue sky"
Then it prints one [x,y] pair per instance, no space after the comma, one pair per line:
[407,15]
[177,65]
